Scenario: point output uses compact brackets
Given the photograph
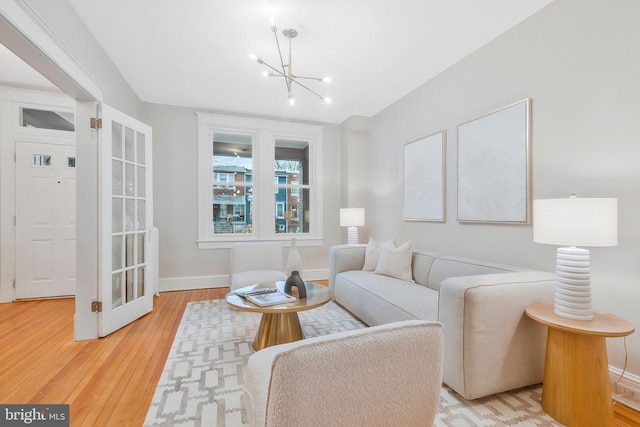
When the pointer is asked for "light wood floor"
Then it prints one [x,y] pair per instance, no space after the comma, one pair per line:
[107,382]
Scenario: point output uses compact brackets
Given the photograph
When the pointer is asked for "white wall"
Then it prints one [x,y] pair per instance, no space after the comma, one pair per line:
[175,144]
[579,62]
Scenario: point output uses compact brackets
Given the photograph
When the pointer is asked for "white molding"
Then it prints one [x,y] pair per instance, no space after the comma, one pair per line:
[168,284]
[285,242]
[38,97]
[627,379]
[6,292]
[19,15]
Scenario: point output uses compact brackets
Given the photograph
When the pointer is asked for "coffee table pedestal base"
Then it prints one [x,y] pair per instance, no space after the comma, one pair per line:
[277,328]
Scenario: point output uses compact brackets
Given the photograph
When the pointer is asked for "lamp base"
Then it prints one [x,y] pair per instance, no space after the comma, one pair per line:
[352,235]
[573,284]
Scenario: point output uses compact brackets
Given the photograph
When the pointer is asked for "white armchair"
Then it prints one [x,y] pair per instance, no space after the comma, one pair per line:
[379,376]
[253,263]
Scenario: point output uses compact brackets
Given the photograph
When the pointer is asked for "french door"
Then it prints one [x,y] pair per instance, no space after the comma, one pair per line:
[126,220]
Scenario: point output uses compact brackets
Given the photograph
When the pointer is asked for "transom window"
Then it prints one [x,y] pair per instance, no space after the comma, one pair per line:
[241,162]
[41,118]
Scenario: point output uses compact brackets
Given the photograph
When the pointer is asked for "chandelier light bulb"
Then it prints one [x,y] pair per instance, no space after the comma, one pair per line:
[327,100]
[265,74]
[326,79]
[291,101]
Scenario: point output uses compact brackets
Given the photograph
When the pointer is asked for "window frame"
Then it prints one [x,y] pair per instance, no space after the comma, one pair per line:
[264,134]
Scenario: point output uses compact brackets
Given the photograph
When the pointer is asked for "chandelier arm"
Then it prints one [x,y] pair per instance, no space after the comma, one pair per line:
[290,73]
[307,88]
[287,80]
[320,79]
[280,73]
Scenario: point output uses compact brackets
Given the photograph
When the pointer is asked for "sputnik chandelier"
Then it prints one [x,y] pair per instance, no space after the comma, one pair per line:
[286,70]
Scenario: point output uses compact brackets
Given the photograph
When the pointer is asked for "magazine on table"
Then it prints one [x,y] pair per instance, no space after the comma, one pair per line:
[270,298]
[253,290]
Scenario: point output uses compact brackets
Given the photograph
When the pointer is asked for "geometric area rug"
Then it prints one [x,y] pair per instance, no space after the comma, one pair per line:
[201,384]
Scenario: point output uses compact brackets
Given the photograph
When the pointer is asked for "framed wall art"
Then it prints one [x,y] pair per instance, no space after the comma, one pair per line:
[493,166]
[424,178]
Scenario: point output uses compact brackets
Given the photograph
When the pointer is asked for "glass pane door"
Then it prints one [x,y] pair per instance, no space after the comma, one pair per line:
[128,214]
[127,219]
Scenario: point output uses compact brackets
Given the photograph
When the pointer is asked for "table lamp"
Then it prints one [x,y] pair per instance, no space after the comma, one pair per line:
[352,218]
[575,222]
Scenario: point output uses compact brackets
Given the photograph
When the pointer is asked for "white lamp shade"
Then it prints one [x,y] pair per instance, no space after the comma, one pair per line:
[576,222]
[352,217]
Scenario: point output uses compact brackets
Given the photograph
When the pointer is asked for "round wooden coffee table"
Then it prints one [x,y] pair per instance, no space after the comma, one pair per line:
[280,323]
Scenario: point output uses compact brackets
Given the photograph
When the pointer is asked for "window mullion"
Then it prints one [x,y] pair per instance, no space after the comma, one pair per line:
[266,175]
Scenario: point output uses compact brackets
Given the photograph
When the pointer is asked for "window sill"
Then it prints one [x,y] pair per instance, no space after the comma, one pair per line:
[285,242]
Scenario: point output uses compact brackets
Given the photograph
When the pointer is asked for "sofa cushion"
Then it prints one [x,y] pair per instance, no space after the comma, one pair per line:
[417,302]
[421,265]
[395,262]
[451,266]
[372,253]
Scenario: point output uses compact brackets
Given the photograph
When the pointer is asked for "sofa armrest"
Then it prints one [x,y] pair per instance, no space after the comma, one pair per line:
[490,344]
[345,258]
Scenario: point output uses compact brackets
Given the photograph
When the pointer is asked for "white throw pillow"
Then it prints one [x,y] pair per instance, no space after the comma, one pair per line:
[372,253]
[395,262]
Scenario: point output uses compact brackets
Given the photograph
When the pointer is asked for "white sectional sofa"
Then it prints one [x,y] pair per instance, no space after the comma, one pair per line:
[490,345]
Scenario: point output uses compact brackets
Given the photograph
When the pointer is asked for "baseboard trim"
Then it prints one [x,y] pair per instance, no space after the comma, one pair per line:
[6,292]
[630,380]
[168,284]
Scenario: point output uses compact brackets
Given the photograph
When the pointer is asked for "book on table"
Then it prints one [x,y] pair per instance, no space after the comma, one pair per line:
[271,298]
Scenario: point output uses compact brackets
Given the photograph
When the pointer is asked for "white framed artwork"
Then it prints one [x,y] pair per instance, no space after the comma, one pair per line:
[424,178]
[493,166]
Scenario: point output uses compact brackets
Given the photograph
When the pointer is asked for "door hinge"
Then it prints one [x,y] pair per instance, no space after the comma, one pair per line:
[96,123]
[96,306]
[14,284]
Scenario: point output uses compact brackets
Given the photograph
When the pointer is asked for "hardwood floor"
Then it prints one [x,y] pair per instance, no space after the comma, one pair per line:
[106,382]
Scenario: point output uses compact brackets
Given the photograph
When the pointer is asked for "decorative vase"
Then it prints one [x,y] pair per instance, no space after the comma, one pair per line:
[294,280]
[294,261]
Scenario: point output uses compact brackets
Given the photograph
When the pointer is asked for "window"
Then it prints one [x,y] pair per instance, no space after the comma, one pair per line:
[47,119]
[240,162]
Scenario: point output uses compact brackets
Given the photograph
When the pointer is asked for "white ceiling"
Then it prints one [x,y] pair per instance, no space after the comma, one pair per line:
[16,73]
[196,53]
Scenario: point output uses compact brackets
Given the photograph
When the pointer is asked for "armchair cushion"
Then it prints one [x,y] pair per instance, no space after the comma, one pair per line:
[252,263]
[246,278]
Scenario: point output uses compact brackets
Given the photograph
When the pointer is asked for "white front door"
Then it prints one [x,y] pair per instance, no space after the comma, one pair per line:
[126,219]
[45,220]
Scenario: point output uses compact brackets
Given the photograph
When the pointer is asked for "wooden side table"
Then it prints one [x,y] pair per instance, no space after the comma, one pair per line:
[576,389]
